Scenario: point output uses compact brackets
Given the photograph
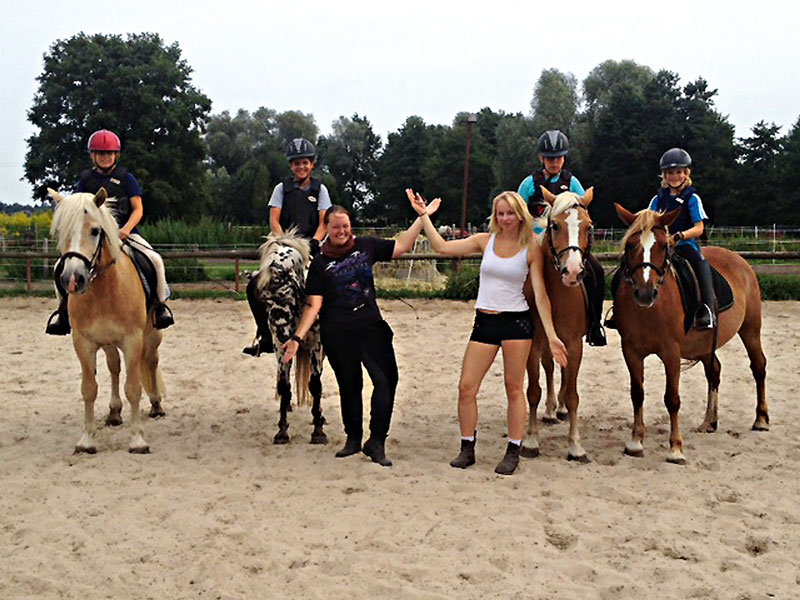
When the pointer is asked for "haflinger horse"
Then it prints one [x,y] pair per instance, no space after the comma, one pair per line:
[107,309]
[565,243]
[650,318]
[281,285]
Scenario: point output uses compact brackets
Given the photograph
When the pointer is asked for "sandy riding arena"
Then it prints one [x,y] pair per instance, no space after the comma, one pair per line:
[217,511]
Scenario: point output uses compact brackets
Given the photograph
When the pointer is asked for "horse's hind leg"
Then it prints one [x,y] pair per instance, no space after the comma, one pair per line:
[751,337]
[151,374]
[712,368]
[315,387]
[87,355]
[285,395]
[114,417]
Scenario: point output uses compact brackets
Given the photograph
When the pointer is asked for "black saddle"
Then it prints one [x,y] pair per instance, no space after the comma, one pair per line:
[687,284]
[147,274]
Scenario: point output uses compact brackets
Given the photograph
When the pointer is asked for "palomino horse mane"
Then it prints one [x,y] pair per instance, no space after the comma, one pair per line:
[70,214]
[273,243]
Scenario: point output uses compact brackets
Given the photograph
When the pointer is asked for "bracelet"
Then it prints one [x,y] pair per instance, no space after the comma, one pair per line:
[296,338]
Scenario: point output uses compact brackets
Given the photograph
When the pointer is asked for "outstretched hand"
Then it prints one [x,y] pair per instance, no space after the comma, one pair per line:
[559,351]
[418,203]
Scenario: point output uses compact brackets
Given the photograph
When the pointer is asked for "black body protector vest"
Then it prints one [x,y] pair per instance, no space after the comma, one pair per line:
[118,202]
[536,203]
[300,207]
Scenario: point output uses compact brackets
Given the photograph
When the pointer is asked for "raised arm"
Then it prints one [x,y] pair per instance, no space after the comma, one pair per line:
[543,307]
[472,244]
[406,240]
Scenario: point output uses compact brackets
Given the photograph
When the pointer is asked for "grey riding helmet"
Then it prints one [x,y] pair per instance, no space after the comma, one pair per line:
[675,157]
[300,148]
[552,144]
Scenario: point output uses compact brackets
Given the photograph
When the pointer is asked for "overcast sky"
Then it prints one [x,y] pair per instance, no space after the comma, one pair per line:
[390,60]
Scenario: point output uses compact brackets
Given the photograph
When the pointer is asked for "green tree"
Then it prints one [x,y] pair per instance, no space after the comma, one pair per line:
[756,177]
[350,155]
[139,88]
[787,209]
[555,101]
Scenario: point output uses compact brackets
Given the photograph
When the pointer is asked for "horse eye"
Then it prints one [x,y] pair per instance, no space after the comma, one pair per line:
[94,231]
[554,226]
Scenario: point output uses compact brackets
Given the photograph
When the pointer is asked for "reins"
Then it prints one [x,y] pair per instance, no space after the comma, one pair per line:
[556,255]
[628,270]
[91,264]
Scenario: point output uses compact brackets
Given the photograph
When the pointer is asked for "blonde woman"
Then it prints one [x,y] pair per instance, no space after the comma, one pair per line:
[502,317]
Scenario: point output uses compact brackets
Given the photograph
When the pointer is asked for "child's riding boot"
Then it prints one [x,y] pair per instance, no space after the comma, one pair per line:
[163,316]
[596,335]
[466,457]
[704,316]
[263,340]
[58,323]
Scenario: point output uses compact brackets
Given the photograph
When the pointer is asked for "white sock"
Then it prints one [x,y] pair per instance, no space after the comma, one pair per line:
[516,442]
[468,438]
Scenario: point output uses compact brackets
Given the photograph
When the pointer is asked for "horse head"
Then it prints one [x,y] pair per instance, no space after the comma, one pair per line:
[282,261]
[569,233]
[646,251]
[83,226]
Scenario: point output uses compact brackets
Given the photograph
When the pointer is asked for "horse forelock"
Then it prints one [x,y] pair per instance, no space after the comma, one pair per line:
[645,220]
[70,214]
[563,202]
[270,254]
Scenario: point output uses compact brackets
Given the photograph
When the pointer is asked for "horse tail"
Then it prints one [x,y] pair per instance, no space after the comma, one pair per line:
[302,375]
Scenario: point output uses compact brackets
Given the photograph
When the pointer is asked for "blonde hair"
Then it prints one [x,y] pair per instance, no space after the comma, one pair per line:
[686,182]
[520,209]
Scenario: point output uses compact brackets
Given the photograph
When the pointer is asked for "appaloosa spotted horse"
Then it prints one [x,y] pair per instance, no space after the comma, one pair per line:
[281,285]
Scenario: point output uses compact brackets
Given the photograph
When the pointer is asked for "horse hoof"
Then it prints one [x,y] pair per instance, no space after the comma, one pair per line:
[562,416]
[82,450]
[676,461]
[156,412]
[140,450]
[280,438]
[319,439]
[582,459]
[760,426]
[529,452]
[634,453]
[708,427]
[549,420]
[114,421]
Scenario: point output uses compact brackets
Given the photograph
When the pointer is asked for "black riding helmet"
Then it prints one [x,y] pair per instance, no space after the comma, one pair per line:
[300,148]
[552,143]
[675,157]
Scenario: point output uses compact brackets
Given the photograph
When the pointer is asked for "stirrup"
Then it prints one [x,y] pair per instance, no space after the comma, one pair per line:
[704,318]
[596,335]
[58,324]
[162,316]
[610,322]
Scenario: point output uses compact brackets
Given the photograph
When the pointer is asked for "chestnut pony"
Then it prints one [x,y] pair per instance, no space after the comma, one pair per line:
[650,319]
[107,310]
[565,243]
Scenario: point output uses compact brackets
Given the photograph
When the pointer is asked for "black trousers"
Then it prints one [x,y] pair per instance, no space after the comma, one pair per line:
[258,308]
[595,288]
[370,346]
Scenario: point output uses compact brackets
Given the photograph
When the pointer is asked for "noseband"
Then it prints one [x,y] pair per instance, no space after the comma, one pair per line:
[91,264]
[628,270]
[556,255]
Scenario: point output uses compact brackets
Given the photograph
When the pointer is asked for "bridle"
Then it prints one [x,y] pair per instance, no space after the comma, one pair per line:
[628,270]
[556,255]
[92,265]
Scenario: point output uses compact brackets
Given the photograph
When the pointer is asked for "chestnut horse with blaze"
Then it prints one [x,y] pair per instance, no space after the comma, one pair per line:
[565,244]
[650,318]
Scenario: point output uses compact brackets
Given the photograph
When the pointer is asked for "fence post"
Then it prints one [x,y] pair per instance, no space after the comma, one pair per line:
[28,269]
[236,276]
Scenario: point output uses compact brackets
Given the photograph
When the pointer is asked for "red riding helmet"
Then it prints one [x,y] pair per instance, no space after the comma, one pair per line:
[104,141]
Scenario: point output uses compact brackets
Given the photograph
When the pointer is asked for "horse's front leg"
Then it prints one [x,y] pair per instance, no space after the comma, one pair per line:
[87,355]
[530,445]
[151,375]
[712,368]
[284,389]
[114,417]
[672,400]
[569,386]
[554,410]
[132,351]
[635,364]
[315,388]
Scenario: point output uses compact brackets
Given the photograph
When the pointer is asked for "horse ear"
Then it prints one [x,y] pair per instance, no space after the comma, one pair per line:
[624,214]
[588,196]
[55,195]
[100,196]
[548,196]
[668,219]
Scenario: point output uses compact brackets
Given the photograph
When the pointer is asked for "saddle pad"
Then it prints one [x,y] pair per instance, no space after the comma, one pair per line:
[687,283]
[146,271]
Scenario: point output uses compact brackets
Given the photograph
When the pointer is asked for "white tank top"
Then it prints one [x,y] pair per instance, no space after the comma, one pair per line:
[501,280]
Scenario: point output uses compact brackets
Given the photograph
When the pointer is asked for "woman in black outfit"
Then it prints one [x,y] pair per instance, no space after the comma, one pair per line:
[341,290]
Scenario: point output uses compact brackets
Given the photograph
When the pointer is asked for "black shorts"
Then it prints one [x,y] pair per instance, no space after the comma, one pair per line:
[496,328]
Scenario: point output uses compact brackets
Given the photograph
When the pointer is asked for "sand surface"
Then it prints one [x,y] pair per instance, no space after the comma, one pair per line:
[217,511]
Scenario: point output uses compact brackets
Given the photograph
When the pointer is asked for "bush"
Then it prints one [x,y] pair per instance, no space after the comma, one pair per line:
[462,284]
[779,287]
[185,270]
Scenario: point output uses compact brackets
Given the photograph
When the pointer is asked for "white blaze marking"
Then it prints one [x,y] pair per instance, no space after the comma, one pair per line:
[647,241]
[573,231]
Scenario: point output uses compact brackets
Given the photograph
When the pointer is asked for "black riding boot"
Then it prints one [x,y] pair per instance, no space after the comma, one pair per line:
[351,446]
[162,316]
[263,341]
[510,461]
[375,450]
[704,316]
[58,323]
[466,457]
[596,289]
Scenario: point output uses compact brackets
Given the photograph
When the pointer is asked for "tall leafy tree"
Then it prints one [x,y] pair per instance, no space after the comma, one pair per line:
[141,89]
[756,177]
[787,209]
[350,155]
[555,101]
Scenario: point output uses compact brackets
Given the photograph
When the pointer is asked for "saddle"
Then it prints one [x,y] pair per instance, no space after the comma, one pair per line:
[687,284]
[146,271]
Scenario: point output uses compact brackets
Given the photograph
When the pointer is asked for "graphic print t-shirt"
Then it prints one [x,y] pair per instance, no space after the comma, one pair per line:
[347,286]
